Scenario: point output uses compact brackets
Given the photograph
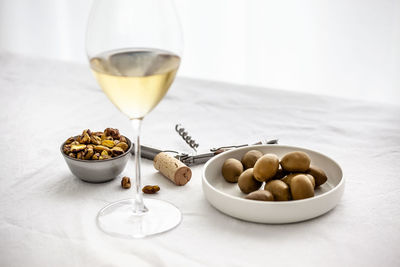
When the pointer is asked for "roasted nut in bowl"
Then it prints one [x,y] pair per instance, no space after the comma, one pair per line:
[227,197]
[98,171]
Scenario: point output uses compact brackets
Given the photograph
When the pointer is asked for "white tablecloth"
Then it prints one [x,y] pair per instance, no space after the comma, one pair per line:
[47,216]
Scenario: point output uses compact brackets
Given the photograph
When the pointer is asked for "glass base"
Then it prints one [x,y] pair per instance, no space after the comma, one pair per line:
[119,218]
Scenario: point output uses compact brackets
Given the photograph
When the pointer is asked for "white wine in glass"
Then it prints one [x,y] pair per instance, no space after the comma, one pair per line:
[135,80]
[134,49]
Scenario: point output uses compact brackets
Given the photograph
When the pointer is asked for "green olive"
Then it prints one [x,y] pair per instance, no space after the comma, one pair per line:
[301,187]
[288,178]
[279,190]
[296,161]
[247,183]
[266,167]
[261,195]
[318,174]
[250,158]
[231,170]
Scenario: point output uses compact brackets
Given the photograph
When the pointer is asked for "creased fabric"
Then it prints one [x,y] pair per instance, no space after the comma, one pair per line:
[47,216]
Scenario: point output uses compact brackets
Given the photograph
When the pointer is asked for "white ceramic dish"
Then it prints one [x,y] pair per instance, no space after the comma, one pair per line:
[227,197]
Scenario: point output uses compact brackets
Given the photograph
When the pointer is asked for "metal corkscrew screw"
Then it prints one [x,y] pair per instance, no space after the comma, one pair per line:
[185,136]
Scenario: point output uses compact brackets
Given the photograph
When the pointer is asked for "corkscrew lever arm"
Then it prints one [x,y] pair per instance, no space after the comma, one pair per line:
[150,153]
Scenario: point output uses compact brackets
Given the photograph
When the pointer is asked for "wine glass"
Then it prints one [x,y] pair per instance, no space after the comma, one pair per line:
[134,49]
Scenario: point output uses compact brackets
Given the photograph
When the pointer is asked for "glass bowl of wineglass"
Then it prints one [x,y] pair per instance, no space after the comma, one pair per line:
[134,48]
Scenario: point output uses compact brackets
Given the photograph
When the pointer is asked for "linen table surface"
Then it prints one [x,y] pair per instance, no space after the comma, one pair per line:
[47,216]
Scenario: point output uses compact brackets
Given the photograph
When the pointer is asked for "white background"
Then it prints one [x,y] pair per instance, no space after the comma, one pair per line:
[343,48]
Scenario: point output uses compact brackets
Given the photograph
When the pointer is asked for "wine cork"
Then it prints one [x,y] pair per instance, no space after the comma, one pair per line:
[172,168]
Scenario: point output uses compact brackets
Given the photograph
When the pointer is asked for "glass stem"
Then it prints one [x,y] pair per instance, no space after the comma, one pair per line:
[139,205]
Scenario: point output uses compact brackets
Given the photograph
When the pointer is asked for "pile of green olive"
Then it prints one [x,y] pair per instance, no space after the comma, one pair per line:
[291,178]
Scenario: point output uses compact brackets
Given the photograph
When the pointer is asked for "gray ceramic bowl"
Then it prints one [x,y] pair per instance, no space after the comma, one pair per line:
[97,171]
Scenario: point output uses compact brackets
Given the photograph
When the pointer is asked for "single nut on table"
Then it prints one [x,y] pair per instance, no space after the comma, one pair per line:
[278,189]
[318,174]
[261,195]
[301,187]
[126,182]
[151,189]
[266,167]
[231,170]
[296,161]
[250,158]
[247,183]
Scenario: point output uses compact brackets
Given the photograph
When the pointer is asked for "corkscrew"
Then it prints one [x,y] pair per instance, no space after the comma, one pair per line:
[150,153]
[186,137]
